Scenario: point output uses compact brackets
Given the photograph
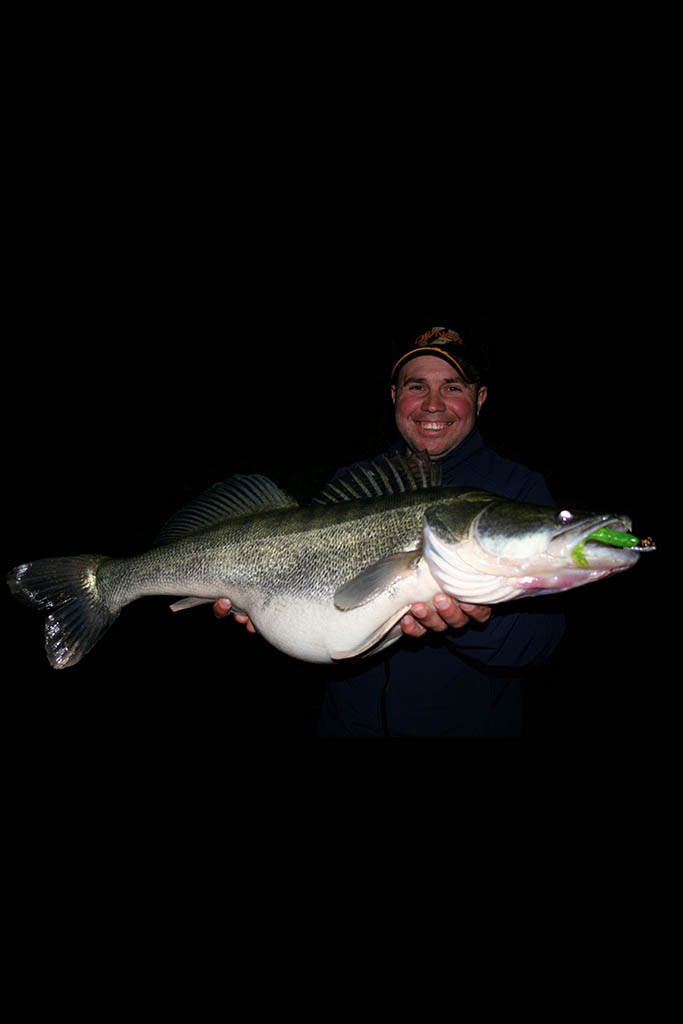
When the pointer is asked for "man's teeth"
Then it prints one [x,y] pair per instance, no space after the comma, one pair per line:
[433,426]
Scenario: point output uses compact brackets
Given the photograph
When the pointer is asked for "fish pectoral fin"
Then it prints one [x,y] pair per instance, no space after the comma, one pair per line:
[371,582]
[386,634]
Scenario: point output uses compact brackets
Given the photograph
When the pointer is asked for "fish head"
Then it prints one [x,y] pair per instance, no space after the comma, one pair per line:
[557,549]
[508,549]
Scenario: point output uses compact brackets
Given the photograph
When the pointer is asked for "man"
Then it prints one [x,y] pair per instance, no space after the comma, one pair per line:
[458,670]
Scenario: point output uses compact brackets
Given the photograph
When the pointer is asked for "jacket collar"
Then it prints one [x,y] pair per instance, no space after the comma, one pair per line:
[472,443]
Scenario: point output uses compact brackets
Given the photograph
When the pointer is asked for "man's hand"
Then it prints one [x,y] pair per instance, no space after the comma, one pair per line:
[449,613]
[416,623]
[222,608]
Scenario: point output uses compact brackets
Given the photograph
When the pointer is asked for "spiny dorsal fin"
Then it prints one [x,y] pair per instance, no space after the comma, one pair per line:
[383,476]
[237,496]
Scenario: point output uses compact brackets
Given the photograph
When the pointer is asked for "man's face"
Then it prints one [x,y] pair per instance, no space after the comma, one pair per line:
[435,409]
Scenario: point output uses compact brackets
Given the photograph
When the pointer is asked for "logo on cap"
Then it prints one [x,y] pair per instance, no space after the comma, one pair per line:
[439,334]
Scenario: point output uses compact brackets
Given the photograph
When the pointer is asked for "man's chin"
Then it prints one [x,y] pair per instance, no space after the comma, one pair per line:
[434,449]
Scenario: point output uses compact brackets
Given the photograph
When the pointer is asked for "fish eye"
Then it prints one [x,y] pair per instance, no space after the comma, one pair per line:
[565,516]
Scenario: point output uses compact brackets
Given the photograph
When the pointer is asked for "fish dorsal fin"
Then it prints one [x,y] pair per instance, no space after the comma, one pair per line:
[383,476]
[237,496]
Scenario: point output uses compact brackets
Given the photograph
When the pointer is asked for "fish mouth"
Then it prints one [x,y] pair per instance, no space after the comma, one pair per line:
[585,548]
[600,542]
[584,552]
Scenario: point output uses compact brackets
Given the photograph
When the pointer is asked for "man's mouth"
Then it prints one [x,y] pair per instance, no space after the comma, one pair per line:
[430,425]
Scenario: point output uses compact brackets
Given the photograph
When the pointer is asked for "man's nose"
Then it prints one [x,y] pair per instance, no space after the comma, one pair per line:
[433,401]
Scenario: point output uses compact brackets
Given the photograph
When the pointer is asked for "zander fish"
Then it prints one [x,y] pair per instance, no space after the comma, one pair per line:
[332,580]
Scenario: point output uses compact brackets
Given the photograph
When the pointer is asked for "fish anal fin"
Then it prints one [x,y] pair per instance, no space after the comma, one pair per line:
[192,602]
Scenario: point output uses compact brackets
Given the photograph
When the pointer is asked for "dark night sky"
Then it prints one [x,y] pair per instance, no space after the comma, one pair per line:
[203,279]
[138,418]
[146,368]
[139,421]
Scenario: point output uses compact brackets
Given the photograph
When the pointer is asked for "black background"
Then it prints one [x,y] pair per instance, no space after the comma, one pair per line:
[198,288]
[126,402]
[210,238]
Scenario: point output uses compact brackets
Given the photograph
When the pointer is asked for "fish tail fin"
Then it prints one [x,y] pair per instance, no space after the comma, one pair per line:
[67,589]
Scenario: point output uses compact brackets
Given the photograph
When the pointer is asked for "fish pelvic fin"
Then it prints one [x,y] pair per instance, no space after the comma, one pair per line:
[67,589]
[383,476]
[385,635]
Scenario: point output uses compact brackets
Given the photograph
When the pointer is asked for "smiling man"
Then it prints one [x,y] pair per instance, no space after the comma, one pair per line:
[437,395]
[458,669]
[436,405]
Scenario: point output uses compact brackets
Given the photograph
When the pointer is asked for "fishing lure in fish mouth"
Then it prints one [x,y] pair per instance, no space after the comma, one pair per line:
[616,539]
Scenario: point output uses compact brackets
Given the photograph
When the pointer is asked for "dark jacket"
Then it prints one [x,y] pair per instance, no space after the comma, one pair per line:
[464,682]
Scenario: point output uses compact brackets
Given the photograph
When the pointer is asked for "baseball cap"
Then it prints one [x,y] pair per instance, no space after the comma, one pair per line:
[446,344]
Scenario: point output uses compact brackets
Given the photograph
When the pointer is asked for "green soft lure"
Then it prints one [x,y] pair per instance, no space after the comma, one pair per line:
[605,536]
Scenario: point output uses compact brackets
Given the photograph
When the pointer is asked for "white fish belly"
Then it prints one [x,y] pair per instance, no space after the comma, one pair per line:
[316,630]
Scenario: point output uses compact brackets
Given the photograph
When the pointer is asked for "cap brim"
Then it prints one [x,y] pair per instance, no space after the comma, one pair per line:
[427,349]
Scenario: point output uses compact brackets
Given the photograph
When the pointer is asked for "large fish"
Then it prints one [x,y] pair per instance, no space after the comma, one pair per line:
[332,580]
